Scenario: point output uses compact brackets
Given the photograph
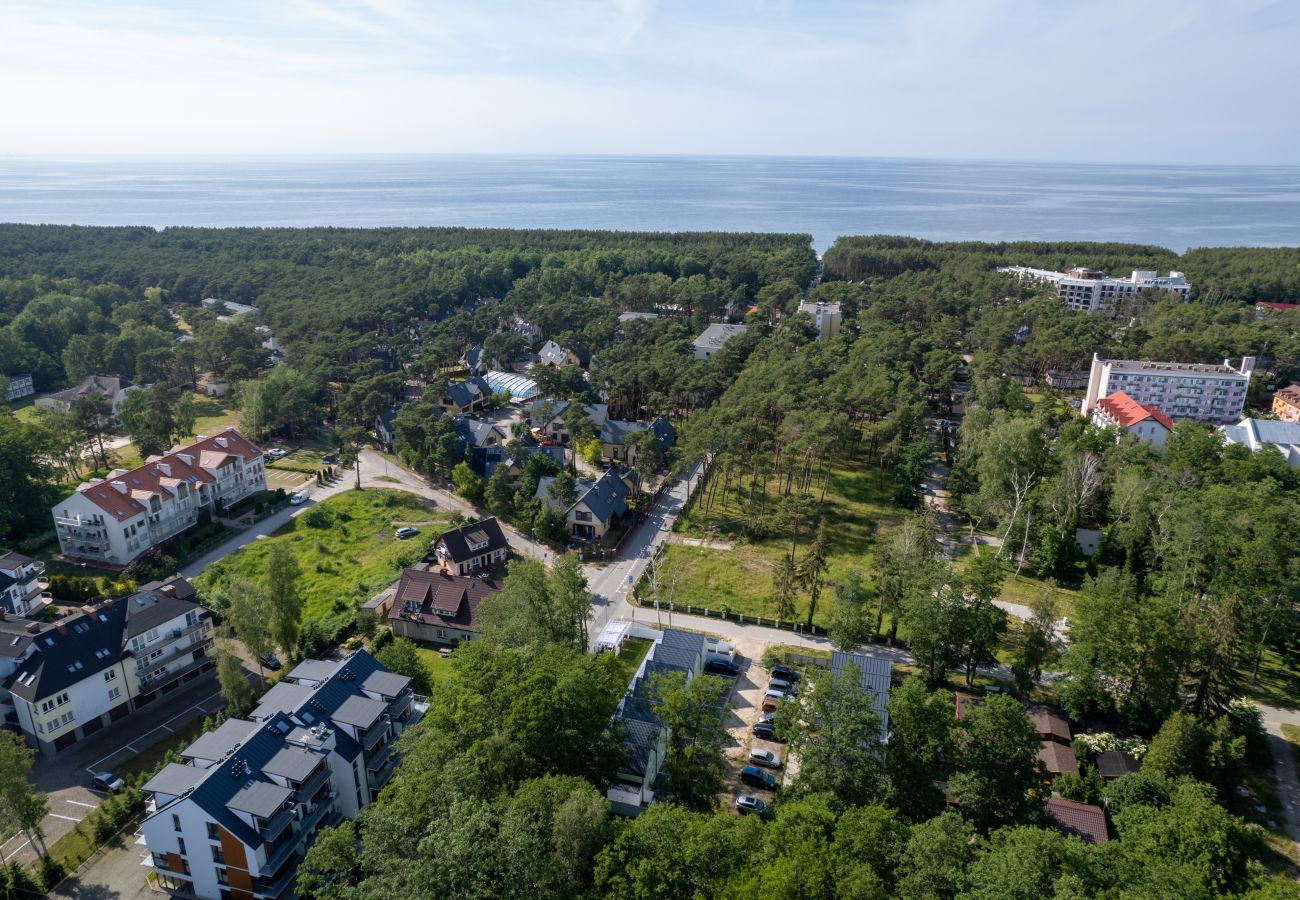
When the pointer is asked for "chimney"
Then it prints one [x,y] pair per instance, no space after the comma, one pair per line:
[63,628]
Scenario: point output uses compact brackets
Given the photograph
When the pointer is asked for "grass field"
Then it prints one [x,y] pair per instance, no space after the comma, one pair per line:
[857,509]
[350,554]
[1292,735]
[439,667]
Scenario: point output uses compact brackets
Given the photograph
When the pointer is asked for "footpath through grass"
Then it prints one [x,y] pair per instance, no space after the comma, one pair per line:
[345,548]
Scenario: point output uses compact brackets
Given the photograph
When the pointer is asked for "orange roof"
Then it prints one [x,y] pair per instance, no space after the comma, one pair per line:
[1289,394]
[1126,412]
[123,494]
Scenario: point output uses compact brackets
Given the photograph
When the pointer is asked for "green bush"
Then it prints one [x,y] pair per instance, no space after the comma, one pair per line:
[50,873]
[318,517]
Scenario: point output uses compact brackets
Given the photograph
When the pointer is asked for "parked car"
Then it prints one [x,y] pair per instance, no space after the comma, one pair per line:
[785,687]
[785,673]
[748,803]
[721,667]
[772,699]
[765,758]
[269,661]
[108,782]
[766,731]
[298,499]
[756,777]
[406,532]
[277,453]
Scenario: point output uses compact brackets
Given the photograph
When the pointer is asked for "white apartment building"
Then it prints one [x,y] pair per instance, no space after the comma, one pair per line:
[712,338]
[826,316]
[22,585]
[236,818]
[1091,291]
[1207,393]
[116,519]
[63,683]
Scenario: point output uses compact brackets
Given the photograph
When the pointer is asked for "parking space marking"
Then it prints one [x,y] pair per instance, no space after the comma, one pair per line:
[69,818]
[79,803]
[17,850]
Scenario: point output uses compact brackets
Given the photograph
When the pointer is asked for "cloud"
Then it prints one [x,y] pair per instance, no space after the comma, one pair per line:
[1196,80]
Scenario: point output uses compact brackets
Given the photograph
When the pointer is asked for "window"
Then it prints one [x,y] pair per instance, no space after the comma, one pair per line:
[212,831]
[114,693]
[176,822]
[110,675]
[180,842]
[218,856]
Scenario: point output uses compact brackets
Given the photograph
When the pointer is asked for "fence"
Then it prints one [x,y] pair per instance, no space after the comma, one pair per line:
[799,628]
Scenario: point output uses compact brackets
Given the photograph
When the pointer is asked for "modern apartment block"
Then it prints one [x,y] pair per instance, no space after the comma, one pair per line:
[1207,393]
[826,316]
[235,819]
[114,520]
[22,587]
[63,683]
[1091,291]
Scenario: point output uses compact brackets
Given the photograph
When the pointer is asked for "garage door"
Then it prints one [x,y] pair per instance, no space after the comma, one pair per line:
[118,712]
[66,741]
[91,726]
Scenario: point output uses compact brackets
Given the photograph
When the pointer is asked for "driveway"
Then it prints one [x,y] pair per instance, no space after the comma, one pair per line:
[116,874]
[65,777]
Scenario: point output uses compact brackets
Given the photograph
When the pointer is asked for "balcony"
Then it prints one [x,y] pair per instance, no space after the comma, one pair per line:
[377,779]
[313,784]
[275,826]
[163,527]
[377,731]
[202,639]
[315,813]
[377,760]
[276,885]
[147,682]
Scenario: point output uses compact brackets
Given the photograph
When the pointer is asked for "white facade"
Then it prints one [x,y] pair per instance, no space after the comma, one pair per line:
[21,585]
[1090,291]
[1206,393]
[117,519]
[826,316]
[1256,434]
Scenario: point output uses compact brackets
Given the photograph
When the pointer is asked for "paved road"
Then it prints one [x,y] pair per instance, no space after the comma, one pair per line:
[1284,767]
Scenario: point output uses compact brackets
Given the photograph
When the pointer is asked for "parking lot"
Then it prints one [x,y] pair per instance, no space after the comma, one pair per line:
[746,708]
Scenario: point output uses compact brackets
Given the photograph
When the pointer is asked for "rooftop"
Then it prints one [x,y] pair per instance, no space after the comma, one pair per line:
[718,334]
[1127,412]
[1081,820]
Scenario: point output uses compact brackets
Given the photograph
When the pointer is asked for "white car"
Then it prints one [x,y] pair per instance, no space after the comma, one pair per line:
[298,499]
[108,782]
[277,453]
[765,758]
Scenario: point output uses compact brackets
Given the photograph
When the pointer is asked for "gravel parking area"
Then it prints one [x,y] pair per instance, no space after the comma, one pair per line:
[745,710]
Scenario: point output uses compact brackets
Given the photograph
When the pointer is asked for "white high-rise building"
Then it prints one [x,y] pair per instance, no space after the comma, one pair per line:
[1208,393]
[1091,291]
[825,315]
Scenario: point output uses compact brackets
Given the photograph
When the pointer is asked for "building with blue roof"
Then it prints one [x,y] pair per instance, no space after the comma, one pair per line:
[1256,434]
[236,818]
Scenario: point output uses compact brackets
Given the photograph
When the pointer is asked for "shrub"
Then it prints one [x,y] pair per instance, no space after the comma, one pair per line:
[318,517]
[314,641]
[50,872]
[382,639]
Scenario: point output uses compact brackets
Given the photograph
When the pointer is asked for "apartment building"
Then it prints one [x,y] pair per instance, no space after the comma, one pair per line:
[1286,403]
[826,316]
[114,520]
[1207,393]
[714,337]
[234,820]
[67,681]
[22,585]
[1090,291]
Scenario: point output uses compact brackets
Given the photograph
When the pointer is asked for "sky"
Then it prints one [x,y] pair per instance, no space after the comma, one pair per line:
[1144,81]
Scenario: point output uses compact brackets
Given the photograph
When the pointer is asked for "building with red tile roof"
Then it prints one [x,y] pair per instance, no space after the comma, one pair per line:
[114,520]
[1057,759]
[1081,820]
[438,607]
[1121,411]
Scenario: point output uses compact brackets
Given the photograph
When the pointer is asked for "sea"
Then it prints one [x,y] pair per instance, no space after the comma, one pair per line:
[1177,207]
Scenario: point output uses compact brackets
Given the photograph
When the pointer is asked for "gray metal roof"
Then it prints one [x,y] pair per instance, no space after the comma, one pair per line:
[175,779]
[385,684]
[292,763]
[313,670]
[873,674]
[221,740]
[638,740]
[259,798]
[718,334]
[284,697]
[358,711]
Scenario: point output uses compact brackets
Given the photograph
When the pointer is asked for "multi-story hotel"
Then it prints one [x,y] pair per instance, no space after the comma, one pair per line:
[1208,393]
[64,683]
[1091,291]
[22,586]
[236,818]
[115,520]
[826,316]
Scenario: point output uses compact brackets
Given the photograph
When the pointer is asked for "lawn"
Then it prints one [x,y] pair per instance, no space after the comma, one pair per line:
[634,650]
[345,548]
[857,508]
[1276,684]
[439,667]
[301,460]
[214,415]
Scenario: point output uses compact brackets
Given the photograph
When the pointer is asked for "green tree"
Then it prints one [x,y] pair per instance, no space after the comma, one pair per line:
[923,739]
[401,656]
[1028,864]
[20,803]
[785,577]
[235,689]
[468,484]
[286,600]
[499,493]
[848,624]
[999,778]
[934,860]
[812,568]
[571,599]
[838,740]
[249,613]
[689,710]
[1039,645]
[332,867]
[94,417]
[349,442]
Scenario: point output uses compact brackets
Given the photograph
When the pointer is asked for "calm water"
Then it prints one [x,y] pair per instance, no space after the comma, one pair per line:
[1177,207]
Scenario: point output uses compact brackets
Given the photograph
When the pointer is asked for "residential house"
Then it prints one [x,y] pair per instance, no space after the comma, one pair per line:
[111,388]
[1066,379]
[235,819]
[1114,764]
[438,607]
[873,674]
[22,586]
[1145,422]
[472,360]
[1265,307]
[1049,724]
[473,547]
[385,428]
[103,664]
[826,317]
[600,504]
[1256,434]
[645,737]
[20,386]
[1087,538]
[114,520]
[552,354]
[531,332]
[228,309]
[1208,393]
[468,396]
[1286,403]
[614,434]
[1081,820]
[483,443]
[1057,759]
[714,337]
